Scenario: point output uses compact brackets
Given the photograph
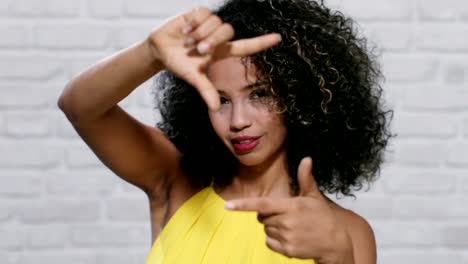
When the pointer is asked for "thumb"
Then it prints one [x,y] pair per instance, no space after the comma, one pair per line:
[307,184]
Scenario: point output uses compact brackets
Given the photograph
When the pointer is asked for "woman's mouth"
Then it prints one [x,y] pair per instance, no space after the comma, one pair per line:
[244,144]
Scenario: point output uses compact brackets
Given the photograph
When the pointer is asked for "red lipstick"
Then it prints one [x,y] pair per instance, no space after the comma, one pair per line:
[244,143]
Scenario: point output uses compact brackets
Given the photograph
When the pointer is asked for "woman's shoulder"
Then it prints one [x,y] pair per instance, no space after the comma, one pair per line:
[359,230]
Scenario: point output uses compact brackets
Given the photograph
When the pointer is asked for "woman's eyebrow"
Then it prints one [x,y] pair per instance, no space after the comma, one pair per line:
[247,87]
[256,84]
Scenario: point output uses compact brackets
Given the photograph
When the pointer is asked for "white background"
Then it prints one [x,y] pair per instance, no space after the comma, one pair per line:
[58,204]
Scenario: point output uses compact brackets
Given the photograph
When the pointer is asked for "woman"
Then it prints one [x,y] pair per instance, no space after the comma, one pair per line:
[250,96]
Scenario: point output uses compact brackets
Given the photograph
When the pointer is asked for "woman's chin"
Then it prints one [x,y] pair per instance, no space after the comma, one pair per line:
[249,159]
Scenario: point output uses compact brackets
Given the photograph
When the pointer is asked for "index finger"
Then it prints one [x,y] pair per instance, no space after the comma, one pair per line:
[206,90]
[246,47]
[258,204]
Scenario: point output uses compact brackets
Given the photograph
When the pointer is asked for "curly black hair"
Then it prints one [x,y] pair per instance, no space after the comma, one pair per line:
[325,80]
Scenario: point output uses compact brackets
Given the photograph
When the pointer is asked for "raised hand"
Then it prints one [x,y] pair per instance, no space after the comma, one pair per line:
[188,43]
[304,226]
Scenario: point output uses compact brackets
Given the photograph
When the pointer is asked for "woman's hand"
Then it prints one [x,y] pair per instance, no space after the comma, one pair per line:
[305,226]
[188,43]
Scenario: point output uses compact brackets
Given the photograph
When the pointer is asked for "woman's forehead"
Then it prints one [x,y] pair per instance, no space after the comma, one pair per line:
[231,73]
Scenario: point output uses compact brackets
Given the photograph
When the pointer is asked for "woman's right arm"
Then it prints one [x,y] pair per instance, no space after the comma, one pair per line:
[137,153]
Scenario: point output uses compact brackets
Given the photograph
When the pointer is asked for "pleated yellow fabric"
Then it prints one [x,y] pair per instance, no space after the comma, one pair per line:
[202,231]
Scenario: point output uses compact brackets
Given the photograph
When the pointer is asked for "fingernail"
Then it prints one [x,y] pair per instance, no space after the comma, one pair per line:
[187,29]
[229,205]
[203,47]
[189,41]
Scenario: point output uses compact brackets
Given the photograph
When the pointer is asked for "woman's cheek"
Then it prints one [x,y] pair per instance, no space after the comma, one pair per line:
[219,121]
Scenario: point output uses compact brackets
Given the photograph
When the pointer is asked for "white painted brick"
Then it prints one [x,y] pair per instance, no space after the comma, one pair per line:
[15,183]
[105,8]
[390,155]
[128,209]
[126,257]
[145,94]
[455,236]
[441,10]
[365,195]
[455,72]
[18,96]
[409,235]
[15,36]
[439,98]
[69,211]
[28,124]
[449,37]
[458,154]
[81,157]
[408,68]
[4,7]
[87,183]
[58,257]
[131,34]
[464,183]
[464,257]
[2,124]
[418,181]
[421,52]
[392,94]
[72,36]
[465,127]
[430,154]
[425,125]
[211,3]
[374,207]
[106,235]
[419,256]
[390,37]
[48,8]
[22,154]
[127,102]
[377,10]
[29,67]
[13,238]
[8,258]
[6,211]
[147,8]
[47,237]
[439,209]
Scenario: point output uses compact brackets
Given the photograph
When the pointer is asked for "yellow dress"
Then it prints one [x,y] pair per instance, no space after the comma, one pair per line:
[202,231]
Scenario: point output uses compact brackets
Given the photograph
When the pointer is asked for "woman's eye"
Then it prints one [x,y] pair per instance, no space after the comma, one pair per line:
[223,100]
[258,94]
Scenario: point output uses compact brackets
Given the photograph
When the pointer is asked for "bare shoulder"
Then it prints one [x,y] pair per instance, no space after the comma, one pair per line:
[361,234]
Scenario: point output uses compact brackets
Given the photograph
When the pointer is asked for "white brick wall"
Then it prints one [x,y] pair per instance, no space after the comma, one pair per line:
[59,204]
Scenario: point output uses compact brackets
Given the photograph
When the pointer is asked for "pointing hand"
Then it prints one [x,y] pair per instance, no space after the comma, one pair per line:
[304,226]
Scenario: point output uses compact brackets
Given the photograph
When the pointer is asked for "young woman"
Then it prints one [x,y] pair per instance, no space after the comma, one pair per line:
[265,106]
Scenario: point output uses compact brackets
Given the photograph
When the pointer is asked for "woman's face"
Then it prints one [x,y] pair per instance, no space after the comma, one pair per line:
[247,121]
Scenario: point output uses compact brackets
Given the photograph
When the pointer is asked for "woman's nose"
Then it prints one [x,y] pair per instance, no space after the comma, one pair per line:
[240,118]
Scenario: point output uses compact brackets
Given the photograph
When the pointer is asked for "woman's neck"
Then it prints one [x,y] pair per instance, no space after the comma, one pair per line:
[268,179]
